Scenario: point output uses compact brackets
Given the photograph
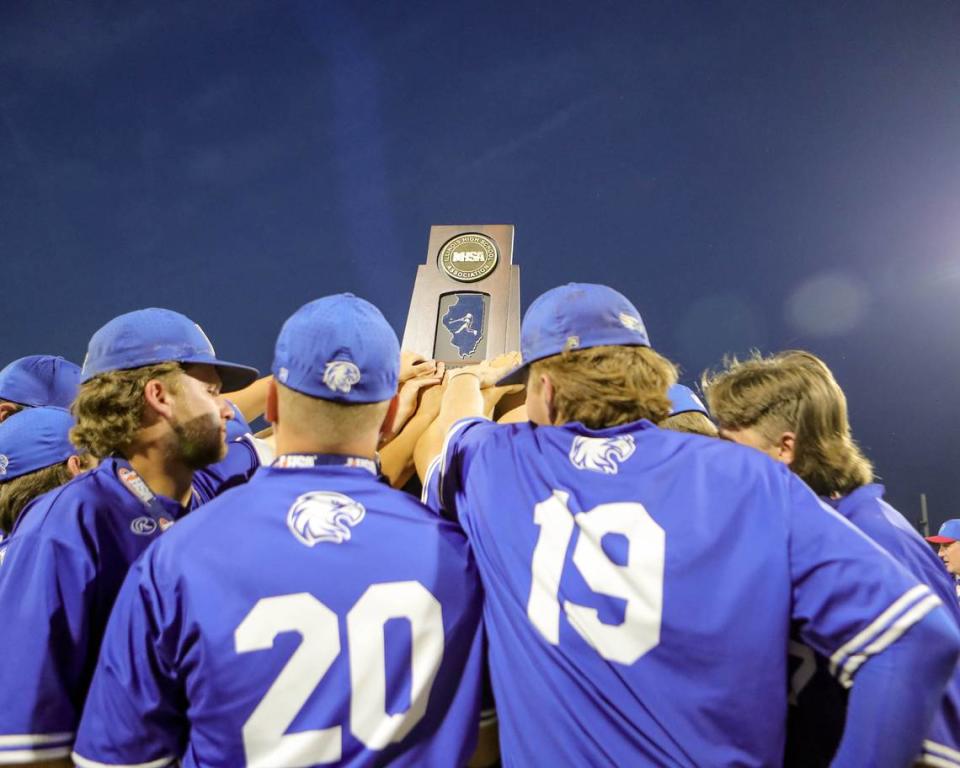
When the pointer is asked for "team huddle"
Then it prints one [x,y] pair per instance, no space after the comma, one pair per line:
[609,574]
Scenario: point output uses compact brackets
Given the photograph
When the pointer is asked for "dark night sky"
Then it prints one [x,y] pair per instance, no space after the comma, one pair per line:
[751,174]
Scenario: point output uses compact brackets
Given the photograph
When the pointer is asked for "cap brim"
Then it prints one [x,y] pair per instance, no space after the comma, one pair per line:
[234,377]
[517,376]
[940,539]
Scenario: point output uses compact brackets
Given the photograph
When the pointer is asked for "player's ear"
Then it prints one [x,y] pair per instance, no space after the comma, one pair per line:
[76,465]
[271,410]
[547,394]
[7,410]
[158,397]
[786,448]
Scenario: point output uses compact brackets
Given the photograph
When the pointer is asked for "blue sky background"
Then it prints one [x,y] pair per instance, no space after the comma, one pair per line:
[750,174]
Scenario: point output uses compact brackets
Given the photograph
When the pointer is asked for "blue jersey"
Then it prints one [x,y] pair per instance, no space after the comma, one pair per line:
[818,703]
[60,571]
[314,616]
[641,585]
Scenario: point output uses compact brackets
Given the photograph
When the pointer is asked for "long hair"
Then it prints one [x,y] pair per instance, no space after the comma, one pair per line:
[17,493]
[608,385]
[792,391]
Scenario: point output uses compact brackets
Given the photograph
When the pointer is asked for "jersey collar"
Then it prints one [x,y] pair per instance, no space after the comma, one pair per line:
[312,460]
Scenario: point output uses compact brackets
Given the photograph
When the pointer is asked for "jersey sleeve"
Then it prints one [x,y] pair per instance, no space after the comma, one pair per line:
[46,595]
[851,600]
[236,468]
[430,494]
[134,714]
[450,472]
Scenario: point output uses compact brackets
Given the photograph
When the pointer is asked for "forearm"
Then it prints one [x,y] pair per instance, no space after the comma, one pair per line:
[396,457]
[252,401]
[461,399]
[896,694]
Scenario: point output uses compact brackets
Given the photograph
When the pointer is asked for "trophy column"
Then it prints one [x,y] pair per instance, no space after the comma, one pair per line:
[466,299]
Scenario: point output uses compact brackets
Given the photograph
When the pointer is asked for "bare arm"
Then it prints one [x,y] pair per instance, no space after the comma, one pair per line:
[462,398]
[252,400]
[409,396]
[396,457]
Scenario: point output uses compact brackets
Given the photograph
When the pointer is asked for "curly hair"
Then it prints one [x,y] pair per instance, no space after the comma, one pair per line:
[608,385]
[792,391]
[109,408]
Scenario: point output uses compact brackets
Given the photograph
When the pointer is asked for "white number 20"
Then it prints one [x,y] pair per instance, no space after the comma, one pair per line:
[265,740]
[639,582]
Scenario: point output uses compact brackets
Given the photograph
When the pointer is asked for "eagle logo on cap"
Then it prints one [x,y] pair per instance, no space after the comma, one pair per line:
[324,516]
[601,454]
[340,375]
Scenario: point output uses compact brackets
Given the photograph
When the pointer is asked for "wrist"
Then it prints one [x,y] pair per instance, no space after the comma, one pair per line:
[458,372]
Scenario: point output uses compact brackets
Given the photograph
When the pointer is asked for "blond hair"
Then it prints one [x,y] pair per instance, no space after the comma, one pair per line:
[15,494]
[792,391]
[110,408]
[691,422]
[608,385]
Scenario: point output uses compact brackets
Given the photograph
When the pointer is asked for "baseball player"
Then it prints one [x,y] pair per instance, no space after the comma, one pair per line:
[37,380]
[35,456]
[640,584]
[790,406]
[150,404]
[314,616]
[946,539]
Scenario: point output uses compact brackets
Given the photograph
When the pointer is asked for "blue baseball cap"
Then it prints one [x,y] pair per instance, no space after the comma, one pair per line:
[684,400]
[949,532]
[151,336]
[33,439]
[338,348]
[576,316]
[38,380]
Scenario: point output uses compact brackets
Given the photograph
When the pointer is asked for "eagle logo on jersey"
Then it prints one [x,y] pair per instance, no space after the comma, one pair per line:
[340,375]
[601,454]
[324,516]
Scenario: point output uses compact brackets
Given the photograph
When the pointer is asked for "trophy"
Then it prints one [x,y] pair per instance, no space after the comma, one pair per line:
[466,299]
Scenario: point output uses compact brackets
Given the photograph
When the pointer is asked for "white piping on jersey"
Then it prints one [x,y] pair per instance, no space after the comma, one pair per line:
[939,755]
[443,453]
[926,760]
[901,625]
[85,763]
[20,756]
[877,626]
[427,476]
[30,739]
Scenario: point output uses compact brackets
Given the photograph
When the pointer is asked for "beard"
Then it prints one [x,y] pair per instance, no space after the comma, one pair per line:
[199,442]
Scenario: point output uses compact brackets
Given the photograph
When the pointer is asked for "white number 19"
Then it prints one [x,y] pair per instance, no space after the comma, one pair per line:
[639,582]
